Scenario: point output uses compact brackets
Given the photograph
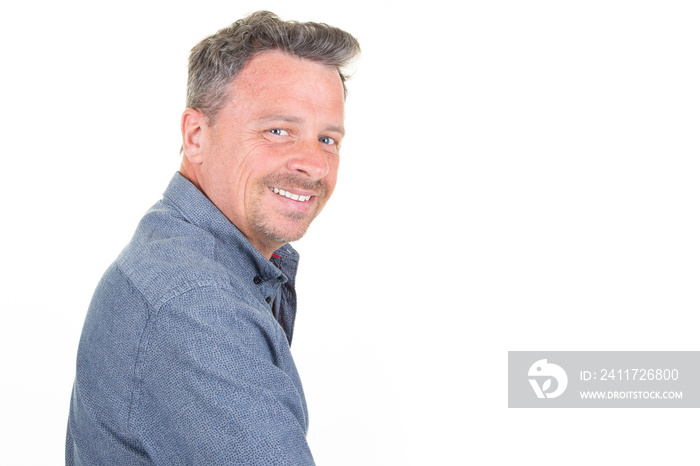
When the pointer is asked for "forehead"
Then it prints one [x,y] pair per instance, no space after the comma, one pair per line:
[275,78]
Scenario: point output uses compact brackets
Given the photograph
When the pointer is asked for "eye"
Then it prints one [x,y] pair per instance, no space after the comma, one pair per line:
[279,132]
[327,140]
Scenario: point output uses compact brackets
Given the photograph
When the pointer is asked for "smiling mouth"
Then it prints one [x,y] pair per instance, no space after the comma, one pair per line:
[288,195]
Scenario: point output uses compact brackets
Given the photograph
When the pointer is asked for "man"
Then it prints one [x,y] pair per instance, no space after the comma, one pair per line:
[184,357]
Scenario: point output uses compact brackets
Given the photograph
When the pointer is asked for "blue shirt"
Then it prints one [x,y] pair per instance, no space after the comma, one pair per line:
[184,356]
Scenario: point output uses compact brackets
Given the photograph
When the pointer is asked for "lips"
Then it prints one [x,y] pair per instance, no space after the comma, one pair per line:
[288,195]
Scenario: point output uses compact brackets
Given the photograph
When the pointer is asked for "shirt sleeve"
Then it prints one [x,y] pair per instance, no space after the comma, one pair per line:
[218,385]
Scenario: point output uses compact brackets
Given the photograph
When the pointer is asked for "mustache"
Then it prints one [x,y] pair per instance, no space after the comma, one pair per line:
[290,181]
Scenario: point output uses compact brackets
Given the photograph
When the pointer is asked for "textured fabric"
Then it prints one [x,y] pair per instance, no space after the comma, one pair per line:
[184,356]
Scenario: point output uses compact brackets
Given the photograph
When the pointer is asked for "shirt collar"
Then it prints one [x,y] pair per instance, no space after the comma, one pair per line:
[200,211]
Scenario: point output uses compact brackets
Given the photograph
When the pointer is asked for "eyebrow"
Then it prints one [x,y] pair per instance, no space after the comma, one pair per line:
[297,120]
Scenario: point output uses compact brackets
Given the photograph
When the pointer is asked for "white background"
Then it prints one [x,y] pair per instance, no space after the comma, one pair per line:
[517,175]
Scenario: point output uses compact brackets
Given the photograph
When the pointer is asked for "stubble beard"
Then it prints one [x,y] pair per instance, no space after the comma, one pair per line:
[264,222]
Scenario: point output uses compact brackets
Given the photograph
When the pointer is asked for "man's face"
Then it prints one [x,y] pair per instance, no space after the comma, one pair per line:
[270,160]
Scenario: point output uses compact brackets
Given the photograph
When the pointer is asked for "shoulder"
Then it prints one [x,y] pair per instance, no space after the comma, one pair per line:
[169,256]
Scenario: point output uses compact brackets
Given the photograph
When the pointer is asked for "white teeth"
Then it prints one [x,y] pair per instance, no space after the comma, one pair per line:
[287,194]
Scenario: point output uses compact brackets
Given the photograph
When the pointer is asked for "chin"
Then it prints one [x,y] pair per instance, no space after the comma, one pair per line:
[285,231]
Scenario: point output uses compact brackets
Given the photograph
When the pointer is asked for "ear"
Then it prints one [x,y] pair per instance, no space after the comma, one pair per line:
[192,125]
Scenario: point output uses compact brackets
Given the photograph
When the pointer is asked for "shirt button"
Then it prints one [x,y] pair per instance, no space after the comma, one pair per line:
[257,280]
[268,299]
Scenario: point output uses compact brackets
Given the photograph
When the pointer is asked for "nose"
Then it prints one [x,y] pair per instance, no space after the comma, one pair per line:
[309,159]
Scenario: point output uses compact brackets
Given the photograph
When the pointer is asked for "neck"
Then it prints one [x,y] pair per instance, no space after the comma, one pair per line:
[266,248]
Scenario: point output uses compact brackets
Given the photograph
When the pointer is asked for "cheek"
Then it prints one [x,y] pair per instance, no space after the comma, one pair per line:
[246,168]
[332,176]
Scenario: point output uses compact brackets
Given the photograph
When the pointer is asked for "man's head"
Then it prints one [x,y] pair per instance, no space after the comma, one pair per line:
[264,123]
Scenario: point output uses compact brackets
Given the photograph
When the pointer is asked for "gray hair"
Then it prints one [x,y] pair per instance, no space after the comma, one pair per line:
[216,60]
